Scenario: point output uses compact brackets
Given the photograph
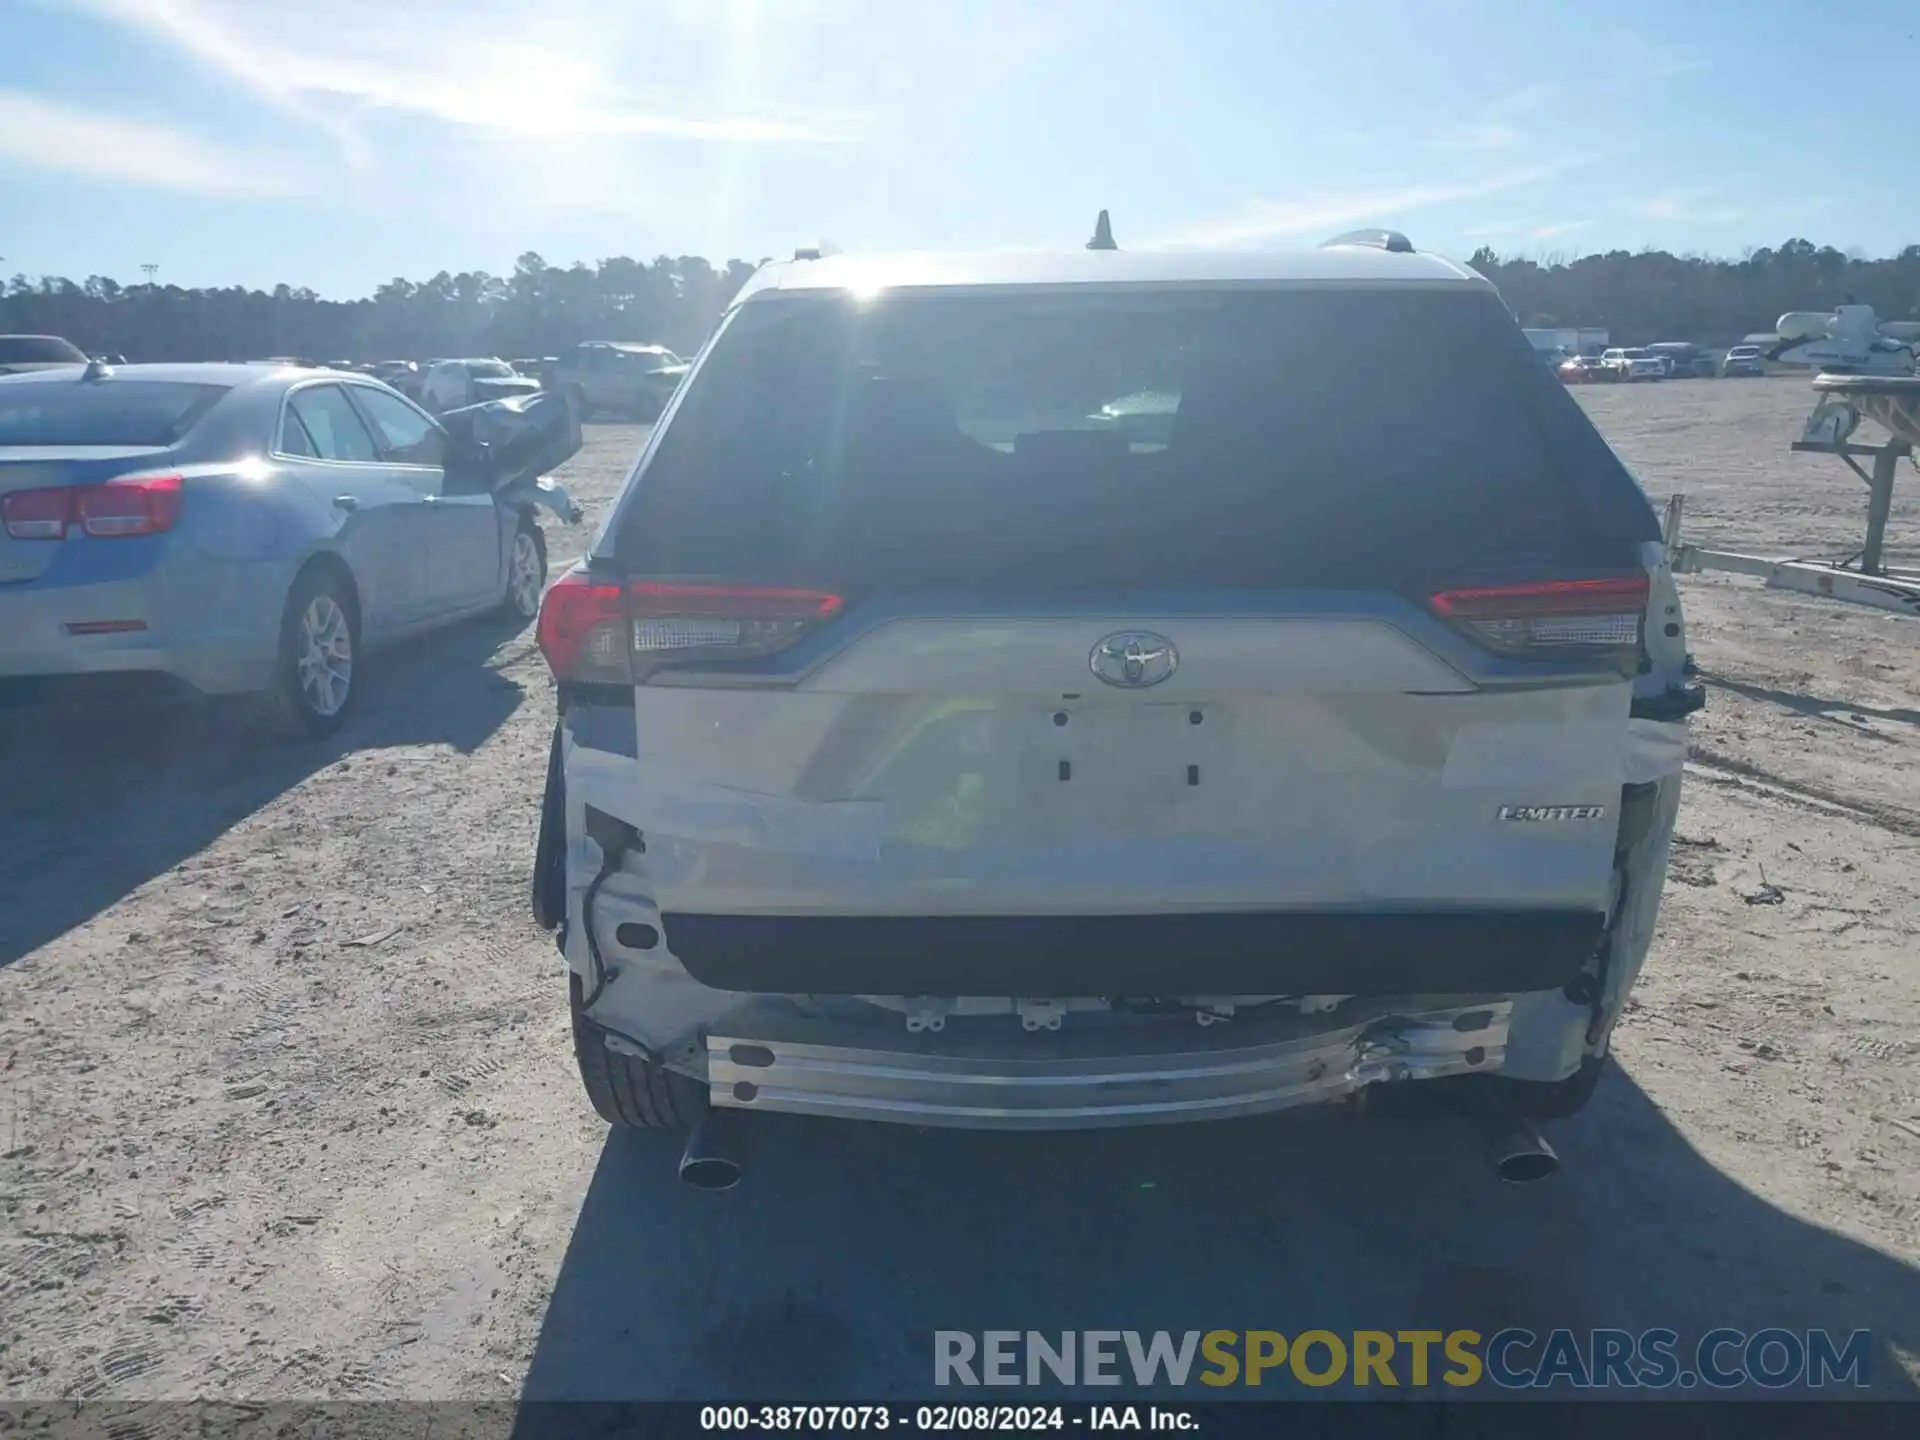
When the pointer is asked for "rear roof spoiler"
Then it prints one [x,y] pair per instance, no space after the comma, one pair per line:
[1389,240]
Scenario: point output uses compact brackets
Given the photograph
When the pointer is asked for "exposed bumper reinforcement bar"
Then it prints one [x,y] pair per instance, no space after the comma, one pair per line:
[1142,1079]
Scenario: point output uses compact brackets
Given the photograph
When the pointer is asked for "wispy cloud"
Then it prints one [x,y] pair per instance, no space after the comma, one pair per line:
[70,140]
[1693,205]
[1527,230]
[1644,59]
[1264,220]
[1481,136]
[486,65]
[1497,126]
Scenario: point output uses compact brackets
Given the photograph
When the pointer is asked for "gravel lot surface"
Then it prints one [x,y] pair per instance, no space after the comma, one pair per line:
[287,1106]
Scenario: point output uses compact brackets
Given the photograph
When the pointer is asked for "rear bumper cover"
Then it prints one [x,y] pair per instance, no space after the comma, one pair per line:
[1110,1077]
[213,625]
[1212,953]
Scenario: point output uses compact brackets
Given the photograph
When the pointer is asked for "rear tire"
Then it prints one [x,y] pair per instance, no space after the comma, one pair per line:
[316,674]
[625,1090]
[526,570]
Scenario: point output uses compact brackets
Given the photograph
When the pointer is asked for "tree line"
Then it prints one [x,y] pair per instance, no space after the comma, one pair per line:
[540,309]
[537,310]
[1650,296]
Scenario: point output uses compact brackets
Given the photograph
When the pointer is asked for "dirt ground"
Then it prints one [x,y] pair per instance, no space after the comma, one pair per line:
[287,1107]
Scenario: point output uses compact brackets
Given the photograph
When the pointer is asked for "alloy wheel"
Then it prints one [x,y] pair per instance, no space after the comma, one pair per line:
[325,656]
[523,576]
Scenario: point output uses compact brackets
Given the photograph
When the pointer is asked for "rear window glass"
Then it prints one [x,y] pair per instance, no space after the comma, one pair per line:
[1103,438]
[39,350]
[105,412]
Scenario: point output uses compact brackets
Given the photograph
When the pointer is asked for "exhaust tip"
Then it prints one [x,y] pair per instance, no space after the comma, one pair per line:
[1517,1153]
[711,1173]
[711,1161]
[1528,1166]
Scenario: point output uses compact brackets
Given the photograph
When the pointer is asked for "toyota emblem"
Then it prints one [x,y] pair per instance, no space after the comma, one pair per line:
[1134,659]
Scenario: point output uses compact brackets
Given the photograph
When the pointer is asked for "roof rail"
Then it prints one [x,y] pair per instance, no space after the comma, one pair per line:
[819,250]
[1389,240]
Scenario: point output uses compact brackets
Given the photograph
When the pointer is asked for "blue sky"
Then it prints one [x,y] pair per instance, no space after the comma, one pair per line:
[338,144]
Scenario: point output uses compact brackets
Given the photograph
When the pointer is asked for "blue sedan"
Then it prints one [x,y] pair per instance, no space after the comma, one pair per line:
[257,530]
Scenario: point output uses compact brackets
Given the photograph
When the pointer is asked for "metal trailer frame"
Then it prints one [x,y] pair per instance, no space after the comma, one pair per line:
[1861,578]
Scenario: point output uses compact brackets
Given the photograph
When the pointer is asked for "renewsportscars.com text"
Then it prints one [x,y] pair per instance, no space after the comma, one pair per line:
[1511,1359]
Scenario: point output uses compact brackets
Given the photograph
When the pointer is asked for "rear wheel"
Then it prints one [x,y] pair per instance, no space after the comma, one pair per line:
[625,1090]
[526,570]
[315,674]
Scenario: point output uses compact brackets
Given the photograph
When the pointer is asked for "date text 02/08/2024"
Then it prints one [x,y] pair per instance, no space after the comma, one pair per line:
[938,1419]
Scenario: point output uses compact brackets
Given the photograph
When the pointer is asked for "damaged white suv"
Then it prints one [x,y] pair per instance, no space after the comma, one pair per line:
[935,746]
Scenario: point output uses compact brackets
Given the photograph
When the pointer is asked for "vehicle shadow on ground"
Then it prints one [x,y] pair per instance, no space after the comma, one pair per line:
[1811,705]
[826,1273]
[97,800]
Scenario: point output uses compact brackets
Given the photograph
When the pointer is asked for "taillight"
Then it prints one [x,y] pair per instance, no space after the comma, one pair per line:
[37,514]
[605,632]
[129,505]
[582,631]
[1578,615]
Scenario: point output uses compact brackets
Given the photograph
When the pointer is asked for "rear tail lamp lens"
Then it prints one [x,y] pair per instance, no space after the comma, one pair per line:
[131,505]
[127,506]
[37,514]
[1579,615]
[613,632]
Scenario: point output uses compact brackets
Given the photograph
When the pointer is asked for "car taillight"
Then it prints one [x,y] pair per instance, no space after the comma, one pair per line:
[582,631]
[129,505]
[673,621]
[1578,615]
[37,514]
[606,632]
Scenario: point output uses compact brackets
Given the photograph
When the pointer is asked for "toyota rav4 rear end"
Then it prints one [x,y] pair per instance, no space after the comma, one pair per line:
[936,748]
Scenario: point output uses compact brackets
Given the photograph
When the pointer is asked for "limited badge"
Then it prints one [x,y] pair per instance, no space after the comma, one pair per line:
[1553,812]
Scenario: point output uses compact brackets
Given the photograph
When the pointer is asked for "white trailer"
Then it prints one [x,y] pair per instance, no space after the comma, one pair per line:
[1573,341]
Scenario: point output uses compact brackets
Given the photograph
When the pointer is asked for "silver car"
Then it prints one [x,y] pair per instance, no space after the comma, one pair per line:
[252,530]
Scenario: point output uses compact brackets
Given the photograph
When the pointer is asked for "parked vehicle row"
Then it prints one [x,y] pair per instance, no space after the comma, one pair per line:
[255,530]
[1683,359]
[1627,364]
[1667,360]
[629,380]
[604,376]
